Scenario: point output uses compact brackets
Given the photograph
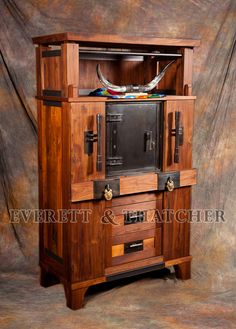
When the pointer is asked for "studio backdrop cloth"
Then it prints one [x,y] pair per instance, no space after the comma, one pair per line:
[213,245]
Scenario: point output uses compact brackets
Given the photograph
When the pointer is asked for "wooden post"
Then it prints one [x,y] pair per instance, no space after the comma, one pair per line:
[40,68]
[70,72]
[184,71]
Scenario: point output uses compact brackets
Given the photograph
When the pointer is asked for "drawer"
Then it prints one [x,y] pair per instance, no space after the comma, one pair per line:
[136,245]
[136,216]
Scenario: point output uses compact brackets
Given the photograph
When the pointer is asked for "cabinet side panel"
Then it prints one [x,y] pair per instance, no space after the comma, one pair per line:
[50,177]
[176,227]
[52,73]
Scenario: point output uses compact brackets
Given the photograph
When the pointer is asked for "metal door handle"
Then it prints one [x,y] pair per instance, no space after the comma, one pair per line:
[99,141]
[91,137]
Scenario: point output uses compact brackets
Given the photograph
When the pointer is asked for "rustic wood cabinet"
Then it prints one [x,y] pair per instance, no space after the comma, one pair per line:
[85,238]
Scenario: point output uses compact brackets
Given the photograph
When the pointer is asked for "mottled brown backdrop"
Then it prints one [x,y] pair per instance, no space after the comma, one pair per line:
[213,246]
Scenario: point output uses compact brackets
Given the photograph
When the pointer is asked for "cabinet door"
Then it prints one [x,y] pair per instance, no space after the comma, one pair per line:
[176,226]
[177,153]
[87,141]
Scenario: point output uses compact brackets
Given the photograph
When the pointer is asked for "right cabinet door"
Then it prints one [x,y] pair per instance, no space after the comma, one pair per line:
[177,135]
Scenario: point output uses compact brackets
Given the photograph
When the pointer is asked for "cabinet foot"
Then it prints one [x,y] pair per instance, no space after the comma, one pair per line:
[74,298]
[183,271]
[47,279]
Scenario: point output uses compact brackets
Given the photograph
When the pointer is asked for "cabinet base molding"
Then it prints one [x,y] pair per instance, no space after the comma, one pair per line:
[75,292]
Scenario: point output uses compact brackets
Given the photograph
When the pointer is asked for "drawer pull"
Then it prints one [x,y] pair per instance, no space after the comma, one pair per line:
[133,246]
[136,245]
[133,218]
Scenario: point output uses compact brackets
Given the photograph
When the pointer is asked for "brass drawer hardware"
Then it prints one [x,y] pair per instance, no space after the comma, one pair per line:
[170,185]
[108,193]
[168,180]
[107,189]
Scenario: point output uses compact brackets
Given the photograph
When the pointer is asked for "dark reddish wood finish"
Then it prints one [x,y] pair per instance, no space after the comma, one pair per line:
[186,111]
[83,118]
[80,253]
[114,39]
[176,231]
[183,271]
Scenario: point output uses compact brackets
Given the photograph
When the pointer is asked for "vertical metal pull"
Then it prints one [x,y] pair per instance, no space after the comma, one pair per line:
[99,142]
[178,133]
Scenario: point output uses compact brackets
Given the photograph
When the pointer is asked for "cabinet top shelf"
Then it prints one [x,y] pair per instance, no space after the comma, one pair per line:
[92,99]
[113,40]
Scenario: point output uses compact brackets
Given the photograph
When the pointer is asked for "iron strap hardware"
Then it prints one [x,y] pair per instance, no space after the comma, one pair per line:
[52,103]
[51,53]
[114,117]
[114,161]
[51,92]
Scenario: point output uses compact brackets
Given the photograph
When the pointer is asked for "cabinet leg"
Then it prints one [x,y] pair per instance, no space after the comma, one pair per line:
[183,271]
[74,298]
[48,279]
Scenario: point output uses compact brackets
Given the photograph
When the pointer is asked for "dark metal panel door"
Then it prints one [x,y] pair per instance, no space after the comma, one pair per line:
[133,137]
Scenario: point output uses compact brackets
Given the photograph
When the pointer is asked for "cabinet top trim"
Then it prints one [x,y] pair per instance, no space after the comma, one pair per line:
[113,39]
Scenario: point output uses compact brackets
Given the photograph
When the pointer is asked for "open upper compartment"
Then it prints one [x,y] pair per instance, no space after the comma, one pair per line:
[67,63]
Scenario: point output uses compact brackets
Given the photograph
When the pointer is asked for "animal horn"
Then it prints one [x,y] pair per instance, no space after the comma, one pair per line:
[152,84]
[132,88]
[109,85]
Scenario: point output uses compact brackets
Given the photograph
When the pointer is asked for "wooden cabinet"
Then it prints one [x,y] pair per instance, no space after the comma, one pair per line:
[88,237]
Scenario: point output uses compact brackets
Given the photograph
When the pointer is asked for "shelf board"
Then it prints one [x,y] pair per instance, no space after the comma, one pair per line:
[106,99]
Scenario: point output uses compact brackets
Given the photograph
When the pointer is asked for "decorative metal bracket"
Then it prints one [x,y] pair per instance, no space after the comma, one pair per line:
[168,180]
[89,138]
[114,117]
[114,161]
[100,187]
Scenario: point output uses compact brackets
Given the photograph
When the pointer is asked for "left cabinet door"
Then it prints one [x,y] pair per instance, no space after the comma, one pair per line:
[87,141]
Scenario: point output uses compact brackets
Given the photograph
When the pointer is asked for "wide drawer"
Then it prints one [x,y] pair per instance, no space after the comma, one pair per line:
[136,213]
[136,245]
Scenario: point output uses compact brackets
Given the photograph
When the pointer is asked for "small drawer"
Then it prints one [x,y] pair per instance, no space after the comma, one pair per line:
[136,217]
[135,246]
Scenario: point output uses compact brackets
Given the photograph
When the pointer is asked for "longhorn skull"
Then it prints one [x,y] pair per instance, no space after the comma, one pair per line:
[132,88]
